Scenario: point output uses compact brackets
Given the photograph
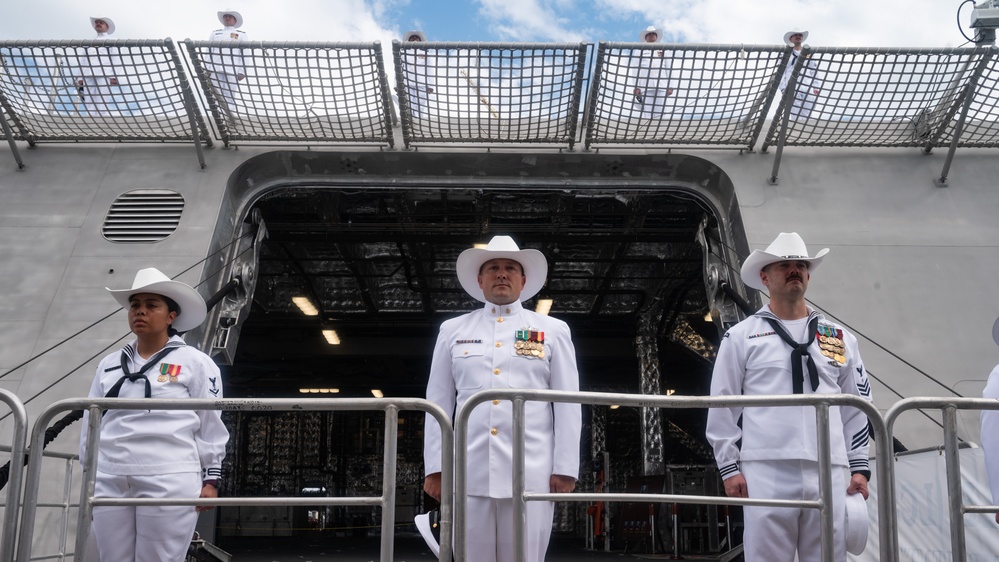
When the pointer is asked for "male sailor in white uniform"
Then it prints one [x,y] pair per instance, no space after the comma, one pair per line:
[225,65]
[504,345]
[808,85]
[788,348]
[99,71]
[990,428]
[651,77]
[419,75]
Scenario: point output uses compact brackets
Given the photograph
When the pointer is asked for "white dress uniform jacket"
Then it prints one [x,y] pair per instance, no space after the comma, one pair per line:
[226,64]
[804,89]
[753,359]
[420,78]
[990,435]
[476,352]
[144,442]
[97,69]
[652,73]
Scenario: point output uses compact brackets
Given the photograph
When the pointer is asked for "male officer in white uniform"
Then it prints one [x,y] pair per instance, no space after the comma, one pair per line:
[503,345]
[808,85]
[651,77]
[99,71]
[990,428]
[419,75]
[777,458]
[225,65]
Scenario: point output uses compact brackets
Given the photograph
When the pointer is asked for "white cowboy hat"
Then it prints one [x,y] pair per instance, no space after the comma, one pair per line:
[995,331]
[787,36]
[420,34]
[151,280]
[648,30]
[233,13]
[105,20]
[787,246]
[856,524]
[534,263]
[427,525]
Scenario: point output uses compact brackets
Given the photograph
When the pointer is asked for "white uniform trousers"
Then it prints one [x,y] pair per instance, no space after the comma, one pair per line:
[226,85]
[653,104]
[489,529]
[801,106]
[419,101]
[97,96]
[145,533]
[774,534]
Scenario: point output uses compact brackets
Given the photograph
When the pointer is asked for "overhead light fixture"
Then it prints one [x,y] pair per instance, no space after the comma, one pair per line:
[305,305]
[319,390]
[544,306]
[670,392]
[615,406]
[707,317]
[331,337]
[377,393]
[480,246]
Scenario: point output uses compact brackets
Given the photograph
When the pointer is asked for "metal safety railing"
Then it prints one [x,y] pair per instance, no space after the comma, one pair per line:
[821,403]
[981,123]
[11,512]
[455,483]
[952,460]
[677,94]
[524,93]
[885,97]
[64,506]
[627,94]
[386,501]
[313,93]
[102,90]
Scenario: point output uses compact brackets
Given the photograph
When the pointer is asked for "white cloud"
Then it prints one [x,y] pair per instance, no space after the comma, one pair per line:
[291,20]
[532,20]
[858,23]
[901,23]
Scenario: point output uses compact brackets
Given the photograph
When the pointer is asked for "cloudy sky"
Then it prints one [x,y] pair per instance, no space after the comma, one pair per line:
[900,23]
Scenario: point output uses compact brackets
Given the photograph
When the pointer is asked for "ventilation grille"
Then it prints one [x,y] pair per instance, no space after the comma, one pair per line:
[143,215]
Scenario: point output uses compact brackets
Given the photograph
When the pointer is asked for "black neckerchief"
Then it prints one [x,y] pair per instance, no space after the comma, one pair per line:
[126,355]
[799,350]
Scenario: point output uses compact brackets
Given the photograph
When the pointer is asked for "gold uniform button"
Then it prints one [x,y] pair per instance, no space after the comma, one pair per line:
[500,319]
[495,402]
[466,352]
[496,371]
[494,431]
[499,344]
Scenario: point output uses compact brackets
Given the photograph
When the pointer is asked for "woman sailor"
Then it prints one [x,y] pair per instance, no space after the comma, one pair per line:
[155,453]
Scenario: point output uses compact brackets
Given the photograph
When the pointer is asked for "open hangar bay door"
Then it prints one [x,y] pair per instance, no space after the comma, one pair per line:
[637,247]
